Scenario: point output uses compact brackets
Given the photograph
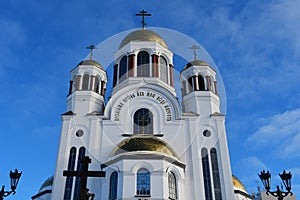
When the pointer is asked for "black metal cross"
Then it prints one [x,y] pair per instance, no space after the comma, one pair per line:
[84,173]
[91,48]
[143,13]
[195,52]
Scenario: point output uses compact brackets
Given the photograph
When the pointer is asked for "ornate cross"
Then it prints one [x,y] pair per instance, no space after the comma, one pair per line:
[195,51]
[91,48]
[143,13]
[84,173]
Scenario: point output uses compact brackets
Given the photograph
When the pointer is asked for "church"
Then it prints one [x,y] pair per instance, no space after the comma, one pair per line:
[143,142]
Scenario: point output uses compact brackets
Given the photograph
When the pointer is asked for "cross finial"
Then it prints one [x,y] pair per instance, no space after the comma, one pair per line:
[143,13]
[195,51]
[91,48]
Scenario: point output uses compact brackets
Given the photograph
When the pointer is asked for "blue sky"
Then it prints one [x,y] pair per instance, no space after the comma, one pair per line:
[255,45]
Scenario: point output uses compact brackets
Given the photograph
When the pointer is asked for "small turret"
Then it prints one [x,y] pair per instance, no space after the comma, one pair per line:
[199,89]
[87,87]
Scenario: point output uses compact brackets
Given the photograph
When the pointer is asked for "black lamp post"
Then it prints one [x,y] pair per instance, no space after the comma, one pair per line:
[14,179]
[286,178]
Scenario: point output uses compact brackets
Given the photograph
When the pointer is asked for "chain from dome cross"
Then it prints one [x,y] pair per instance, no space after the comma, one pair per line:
[143,13]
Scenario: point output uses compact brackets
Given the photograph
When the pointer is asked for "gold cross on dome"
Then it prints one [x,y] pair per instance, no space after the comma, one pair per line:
[143,13]
[195,51]
[91,48]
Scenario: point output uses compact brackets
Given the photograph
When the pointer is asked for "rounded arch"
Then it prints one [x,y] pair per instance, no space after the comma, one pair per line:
[201,82]
[143,121]
[143,181]
[163,69]
[85,81]
[172,186]
[143,64]
[142,164]
[113,185]
[123,68]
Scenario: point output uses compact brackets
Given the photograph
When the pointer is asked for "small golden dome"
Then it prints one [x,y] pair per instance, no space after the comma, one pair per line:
[196,63]
[143,143]
[238,184]
[90,62]
[143,35]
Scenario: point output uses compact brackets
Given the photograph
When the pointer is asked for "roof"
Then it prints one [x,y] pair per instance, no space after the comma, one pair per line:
[47,183]
[90,62]
[238,184]
[196,63]
[143,143]
[143,35]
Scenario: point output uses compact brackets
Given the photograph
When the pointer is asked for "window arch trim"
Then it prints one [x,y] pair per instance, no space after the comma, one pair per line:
[143,63]
[113,186]
[172,186]
[143,121]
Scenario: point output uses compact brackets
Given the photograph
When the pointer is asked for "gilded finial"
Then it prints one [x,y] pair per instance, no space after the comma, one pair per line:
[143,13]
[195,51]
[91,48]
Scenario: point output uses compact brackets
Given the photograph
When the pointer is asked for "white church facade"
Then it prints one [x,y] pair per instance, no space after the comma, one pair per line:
[150,146]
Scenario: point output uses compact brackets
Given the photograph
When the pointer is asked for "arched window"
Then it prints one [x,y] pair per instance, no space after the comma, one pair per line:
[123,69]
[85,82]
[69,180]
[190,84]
[172,186]
[216,174]
[143,122]
[143,68]
[206,174]
[143,182]
[113,186]
[79,167]
[97,84]
[201,83]
[163,69]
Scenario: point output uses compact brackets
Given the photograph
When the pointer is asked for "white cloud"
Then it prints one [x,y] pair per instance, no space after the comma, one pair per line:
[280,133]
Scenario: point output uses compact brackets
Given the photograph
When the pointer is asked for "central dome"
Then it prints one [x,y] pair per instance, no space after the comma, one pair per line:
[143,35]
[143,143]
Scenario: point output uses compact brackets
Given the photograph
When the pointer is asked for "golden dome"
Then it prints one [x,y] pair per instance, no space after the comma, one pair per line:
[196,63]
[143,143]
[238,184]
[90,62]
[143,35]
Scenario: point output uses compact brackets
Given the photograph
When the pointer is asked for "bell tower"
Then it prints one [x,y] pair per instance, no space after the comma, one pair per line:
[87,87]
[199,89]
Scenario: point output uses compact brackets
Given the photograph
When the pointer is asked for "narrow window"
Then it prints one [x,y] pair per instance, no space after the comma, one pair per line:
[206,174]
[97,84]
[143,182]
[69,180]
[79,167]
[216,174]
[163,69]
[123,69]
[190,84]
[172,186]
[113,187]
[143,68]
[201,83]
[143,122]
[85,82]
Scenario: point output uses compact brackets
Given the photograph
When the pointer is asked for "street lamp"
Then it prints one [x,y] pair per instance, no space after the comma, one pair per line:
[286,178]
[14,179]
